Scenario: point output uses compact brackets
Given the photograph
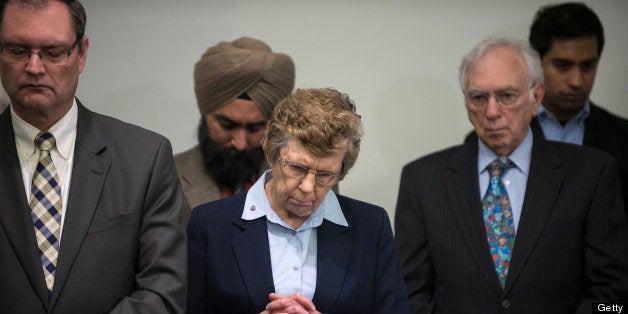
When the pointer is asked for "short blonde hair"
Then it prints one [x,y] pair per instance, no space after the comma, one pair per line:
[324,121]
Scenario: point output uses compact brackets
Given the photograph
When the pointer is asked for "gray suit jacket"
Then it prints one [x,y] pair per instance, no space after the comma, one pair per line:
[198,186]
[569,250]
[123,243]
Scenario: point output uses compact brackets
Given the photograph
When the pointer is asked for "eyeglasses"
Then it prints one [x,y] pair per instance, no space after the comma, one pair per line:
[322,178]
[53,56]
[506,98]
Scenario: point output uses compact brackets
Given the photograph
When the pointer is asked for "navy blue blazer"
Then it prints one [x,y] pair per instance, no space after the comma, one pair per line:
[230,269]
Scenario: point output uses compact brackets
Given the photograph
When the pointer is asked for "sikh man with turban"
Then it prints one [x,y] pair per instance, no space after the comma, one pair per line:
[237,86]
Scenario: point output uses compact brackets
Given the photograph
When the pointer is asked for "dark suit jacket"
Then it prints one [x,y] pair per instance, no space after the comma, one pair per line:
[609,133]
[123,243]
[570,246]
[230,269]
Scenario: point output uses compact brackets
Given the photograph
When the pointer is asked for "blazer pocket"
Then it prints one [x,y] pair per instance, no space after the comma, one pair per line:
[108,223]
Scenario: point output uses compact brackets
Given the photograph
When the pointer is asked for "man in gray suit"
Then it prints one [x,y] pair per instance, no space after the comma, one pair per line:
[90,217]
[509,222]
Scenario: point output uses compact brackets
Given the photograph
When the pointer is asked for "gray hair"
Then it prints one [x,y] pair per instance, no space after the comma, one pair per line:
[529,55]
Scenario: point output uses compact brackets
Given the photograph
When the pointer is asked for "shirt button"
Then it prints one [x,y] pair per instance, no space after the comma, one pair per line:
[507,182]
[253,207]
[505,304]
[295,267]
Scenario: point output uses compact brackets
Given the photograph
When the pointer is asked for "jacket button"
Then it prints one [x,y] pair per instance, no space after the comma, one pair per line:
[505,304]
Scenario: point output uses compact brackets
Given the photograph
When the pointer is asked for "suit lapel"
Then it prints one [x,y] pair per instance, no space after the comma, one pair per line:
[252,252]
[594,128]
[199,186]
[544,181]
[464,194]
[15,215]
[333,252]
[88,177]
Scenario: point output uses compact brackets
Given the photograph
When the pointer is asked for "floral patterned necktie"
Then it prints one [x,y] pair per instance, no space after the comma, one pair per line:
[498,222]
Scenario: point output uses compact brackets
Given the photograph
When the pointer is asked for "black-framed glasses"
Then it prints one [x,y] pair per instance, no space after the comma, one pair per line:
[298,171]
[506,97]
[54,56]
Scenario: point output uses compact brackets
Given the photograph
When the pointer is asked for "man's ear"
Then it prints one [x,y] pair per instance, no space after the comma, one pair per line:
[538,93]
[83,52]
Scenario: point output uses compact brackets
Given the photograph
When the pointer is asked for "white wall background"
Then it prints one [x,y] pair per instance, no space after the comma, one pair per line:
[398,60]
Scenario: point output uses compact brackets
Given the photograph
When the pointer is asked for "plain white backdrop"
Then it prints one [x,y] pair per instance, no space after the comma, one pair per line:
[398,60]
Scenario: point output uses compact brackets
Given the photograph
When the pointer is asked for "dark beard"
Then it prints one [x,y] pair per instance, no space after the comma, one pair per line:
[228,166]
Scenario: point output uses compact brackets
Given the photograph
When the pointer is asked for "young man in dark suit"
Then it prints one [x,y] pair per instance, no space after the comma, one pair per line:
[569,38]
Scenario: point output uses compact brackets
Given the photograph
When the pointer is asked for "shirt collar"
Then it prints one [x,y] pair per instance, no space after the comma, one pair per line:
[545,114]
[520,156]
[257,205]
[63,130]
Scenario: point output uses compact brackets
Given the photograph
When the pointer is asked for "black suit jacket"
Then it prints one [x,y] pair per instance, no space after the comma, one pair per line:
[570,245]
[123,243]
[230,269]
[609,133]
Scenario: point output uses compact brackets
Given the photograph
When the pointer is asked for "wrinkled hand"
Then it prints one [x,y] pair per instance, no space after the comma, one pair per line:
[295,303]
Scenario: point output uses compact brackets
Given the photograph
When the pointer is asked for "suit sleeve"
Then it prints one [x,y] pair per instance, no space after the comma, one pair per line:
[160,278]
[606,252]
[391,296]
[412,245]
[196,266]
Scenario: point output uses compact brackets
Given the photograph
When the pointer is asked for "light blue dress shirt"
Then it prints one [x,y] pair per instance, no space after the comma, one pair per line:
[293,252]
[515,179]
[572,132]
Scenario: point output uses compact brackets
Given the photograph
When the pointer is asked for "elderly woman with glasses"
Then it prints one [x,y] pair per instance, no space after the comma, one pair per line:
[290,244]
